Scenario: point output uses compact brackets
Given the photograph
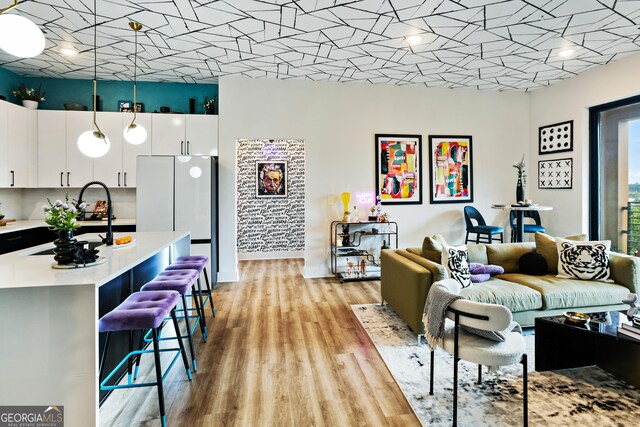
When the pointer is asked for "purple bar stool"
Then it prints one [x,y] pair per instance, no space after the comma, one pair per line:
[179,281]
[197,262]
[143,310]
[197,300]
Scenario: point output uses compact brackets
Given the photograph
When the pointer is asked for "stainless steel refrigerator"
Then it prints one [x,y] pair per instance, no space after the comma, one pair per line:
[180,193]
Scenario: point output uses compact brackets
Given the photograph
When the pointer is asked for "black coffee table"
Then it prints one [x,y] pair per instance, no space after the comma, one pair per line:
[561,345]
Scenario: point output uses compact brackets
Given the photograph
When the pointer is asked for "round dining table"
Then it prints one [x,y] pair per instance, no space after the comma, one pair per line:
[520,210]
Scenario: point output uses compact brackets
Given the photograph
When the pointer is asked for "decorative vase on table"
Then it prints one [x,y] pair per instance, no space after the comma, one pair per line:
[65,250]
[31,105]
[519,191]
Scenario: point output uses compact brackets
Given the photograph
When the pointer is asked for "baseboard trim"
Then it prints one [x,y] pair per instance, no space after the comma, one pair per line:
[245,256]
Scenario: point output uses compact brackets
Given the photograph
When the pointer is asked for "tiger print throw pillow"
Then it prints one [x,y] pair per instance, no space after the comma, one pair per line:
[583,260]
[456,260]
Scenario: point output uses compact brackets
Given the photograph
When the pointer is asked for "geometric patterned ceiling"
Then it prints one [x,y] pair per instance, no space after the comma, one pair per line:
[483,44]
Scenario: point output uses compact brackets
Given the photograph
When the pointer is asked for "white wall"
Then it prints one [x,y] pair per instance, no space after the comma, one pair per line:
[338,123]
[571,100]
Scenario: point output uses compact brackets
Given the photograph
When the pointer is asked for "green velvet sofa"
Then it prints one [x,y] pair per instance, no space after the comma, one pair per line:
[407,276]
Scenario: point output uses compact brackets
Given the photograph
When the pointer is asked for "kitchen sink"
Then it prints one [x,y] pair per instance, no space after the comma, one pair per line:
[92,245]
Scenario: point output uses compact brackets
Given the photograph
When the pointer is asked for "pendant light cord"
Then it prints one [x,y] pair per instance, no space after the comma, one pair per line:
[135,77]
[95,70]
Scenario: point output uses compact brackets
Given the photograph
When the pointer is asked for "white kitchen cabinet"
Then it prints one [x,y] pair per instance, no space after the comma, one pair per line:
[118,167]
[201,135]
[60,162]
[130,152]
[168,132]
[79,167]
[108,168]
[52,148]
[17,146]
[180,134]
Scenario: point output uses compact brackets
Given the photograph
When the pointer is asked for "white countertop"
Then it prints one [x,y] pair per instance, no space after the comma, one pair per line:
[26,224]
[18,270]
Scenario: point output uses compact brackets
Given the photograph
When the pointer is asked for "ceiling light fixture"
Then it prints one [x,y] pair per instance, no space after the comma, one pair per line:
[67,51]
[566,52]
[135,134]
[413,40]
[94,143]
[18,35]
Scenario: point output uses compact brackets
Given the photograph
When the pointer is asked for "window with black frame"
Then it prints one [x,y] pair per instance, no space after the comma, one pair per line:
[615,174]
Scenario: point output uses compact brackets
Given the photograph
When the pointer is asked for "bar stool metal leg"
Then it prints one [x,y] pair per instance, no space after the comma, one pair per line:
[189,336]
[208,285]
[180,343]
[200,311]
[156,355]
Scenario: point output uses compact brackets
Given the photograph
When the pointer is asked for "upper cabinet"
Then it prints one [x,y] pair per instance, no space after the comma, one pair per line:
[179,134]
[60,162]
[18,146]
[117,167]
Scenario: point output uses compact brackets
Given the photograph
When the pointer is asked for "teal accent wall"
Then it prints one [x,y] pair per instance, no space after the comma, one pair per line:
[152,94]
[8,82]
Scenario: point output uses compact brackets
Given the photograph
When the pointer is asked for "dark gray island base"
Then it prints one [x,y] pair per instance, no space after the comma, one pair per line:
[49,320]
[112,293]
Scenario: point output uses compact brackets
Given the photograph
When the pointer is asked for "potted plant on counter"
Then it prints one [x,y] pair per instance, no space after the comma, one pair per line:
[30,97]
[63,217]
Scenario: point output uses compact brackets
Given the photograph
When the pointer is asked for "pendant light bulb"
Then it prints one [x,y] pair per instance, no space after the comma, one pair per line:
[94,144]
[20,37]
[135,134]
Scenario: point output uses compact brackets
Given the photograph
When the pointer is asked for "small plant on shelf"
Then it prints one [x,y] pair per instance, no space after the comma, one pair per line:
[63,216]
[209,104]
[29,94]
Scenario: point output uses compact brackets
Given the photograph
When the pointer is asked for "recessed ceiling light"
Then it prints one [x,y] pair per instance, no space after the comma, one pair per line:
[566,52]
[68,51]
[414,39]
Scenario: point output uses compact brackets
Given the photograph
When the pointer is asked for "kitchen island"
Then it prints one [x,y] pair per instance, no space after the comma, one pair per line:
[49,341]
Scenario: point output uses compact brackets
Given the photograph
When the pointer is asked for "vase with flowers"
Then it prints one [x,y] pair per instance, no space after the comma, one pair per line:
[63,217]
[522,180]
[30,97]
[209,104]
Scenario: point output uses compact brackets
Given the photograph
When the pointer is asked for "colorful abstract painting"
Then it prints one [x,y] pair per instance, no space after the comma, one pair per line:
[399,169]
[450,167]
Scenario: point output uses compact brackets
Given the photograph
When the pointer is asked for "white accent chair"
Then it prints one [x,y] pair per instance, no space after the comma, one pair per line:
[472,348]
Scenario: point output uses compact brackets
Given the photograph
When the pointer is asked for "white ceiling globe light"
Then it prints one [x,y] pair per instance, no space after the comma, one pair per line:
[566,52]
[93,144]
[67,51]
[20,37]
[135,134]
[413,40]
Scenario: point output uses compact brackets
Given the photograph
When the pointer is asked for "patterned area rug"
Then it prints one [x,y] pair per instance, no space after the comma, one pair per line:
[584,396]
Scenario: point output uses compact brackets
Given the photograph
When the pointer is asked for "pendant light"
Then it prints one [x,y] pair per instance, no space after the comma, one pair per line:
[94,143]
[18,35]
[135,133]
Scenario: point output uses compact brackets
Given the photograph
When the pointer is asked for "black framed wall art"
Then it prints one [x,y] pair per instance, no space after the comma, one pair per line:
[399,169]
[450,169]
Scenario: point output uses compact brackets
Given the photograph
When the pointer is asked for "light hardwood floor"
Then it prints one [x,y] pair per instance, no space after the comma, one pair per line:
[282,351]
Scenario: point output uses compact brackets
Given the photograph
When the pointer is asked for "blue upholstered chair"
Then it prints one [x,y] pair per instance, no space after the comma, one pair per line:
[481,228]
[528,228]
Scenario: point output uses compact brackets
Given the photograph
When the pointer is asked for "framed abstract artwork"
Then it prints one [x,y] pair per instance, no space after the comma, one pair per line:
[451,169]
[271,179]
[399,169]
